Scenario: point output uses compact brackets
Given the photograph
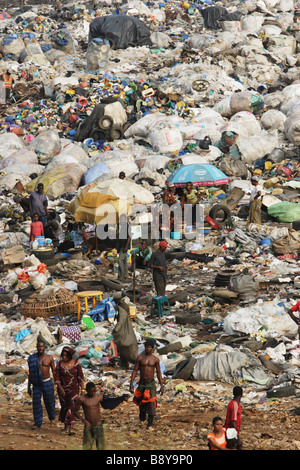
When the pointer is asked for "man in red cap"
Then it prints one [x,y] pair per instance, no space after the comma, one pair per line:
[158,264]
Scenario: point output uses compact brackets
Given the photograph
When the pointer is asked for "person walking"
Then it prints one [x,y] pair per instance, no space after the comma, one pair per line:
[40,384]
[70,382]
[122,246]
[158,264]
[93,427]
[234,413]
[145,394]
[255,202]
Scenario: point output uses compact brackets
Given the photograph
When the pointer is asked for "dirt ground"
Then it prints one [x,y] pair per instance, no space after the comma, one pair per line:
[182,423]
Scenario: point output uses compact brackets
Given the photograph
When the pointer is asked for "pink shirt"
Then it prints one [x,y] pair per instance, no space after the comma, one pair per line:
[36,230]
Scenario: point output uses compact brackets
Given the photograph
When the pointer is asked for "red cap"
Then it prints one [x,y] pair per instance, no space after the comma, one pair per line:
[163,244]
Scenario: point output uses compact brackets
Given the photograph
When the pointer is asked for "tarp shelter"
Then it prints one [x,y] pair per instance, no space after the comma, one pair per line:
[200,174]
[121,31]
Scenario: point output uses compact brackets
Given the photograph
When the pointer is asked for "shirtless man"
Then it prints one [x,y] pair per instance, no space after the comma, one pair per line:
[92,420]
[145,393]
[40,384]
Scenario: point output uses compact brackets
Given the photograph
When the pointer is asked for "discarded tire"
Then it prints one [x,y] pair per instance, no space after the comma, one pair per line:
[220,213]
[223,278]
[281,392]
[175,254]
[172,347]
[113,284]
[90,285]
[178,297]
[184,369]
[296,225]
[188,319]
[98,134]
[105,122]
[116,133]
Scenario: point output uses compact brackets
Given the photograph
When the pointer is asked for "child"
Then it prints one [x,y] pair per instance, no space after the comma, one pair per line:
[217,437]
[36,227]
[234,413]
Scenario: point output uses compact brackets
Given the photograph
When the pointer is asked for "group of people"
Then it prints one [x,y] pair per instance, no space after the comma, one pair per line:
[74,398]
[226,436]
[69,379]
[188,199]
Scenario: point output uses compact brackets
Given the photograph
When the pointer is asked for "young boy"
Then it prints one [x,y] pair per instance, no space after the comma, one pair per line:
[92,420]
[234,413]
[36,227]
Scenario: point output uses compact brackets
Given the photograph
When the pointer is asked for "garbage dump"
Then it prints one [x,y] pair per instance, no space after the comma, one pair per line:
[184,118]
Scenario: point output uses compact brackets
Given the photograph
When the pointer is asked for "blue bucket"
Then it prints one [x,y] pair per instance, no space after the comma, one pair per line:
[41,241]
[175,235]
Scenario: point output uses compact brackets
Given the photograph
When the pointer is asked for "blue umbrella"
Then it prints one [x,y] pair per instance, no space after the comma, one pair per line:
[200,174]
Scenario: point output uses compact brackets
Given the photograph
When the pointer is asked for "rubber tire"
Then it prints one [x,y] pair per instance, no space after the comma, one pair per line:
[102,122]
[90,285]
[116,133]
[188,319]
[280,392]
[114,284]
[169,348]
[126,126]
[220,208]
[179,297]
[175,255]
[98,134]
[296,225]
[184,369]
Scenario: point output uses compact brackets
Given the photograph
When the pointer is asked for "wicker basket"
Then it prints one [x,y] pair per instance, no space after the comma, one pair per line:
[62,302]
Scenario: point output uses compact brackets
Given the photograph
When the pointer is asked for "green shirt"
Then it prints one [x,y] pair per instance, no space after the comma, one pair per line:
[146,254]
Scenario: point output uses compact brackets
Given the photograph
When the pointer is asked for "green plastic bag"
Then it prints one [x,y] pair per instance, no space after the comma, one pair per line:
[285,211]
[88,322]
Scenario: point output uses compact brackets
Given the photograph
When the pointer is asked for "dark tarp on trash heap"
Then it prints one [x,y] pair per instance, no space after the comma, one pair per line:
[213,15]
[120,31]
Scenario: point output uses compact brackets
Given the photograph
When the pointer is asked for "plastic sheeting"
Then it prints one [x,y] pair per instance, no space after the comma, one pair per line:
[120,31]
[230,366]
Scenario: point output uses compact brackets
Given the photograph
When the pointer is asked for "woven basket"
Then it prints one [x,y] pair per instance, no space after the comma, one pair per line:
[62,302]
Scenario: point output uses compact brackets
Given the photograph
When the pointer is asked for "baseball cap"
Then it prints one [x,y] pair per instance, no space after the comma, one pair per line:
[163,244]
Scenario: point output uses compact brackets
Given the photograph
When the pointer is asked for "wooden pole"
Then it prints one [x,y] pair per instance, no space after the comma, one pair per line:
[133,278]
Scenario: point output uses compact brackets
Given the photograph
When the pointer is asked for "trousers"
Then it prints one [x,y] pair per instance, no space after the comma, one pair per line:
[92,435]
[46,390]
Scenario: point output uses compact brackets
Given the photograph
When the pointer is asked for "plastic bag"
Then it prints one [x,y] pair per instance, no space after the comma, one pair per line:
[46,145]
[285,211]
[97,55]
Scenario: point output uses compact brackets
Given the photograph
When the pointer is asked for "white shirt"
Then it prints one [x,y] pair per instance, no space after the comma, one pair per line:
[256,189]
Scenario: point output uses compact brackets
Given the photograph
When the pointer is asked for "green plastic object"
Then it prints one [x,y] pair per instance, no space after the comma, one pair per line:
[88,322]
[285,211]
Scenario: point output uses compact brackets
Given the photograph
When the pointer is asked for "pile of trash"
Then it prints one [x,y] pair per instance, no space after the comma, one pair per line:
[150,89]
